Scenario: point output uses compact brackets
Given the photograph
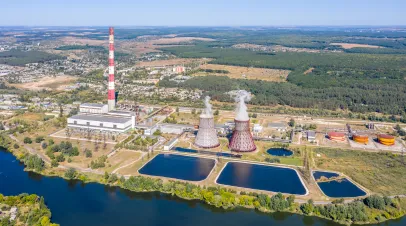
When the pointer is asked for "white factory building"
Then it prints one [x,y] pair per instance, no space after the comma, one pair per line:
[97,117]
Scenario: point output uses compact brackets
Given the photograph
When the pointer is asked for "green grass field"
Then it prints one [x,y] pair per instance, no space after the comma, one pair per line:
[382,173]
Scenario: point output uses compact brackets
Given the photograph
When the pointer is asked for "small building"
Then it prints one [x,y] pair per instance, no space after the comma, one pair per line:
[150,130]
[279,126]
[13,213]
[311,136]
[257,128]
[169,145]
[175,128]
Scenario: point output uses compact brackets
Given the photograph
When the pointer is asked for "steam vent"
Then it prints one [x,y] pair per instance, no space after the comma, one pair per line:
[242,141]
[206,136]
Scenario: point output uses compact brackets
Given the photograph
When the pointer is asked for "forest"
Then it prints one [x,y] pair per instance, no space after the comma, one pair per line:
[21,58]
[362,99]
[370,80]
[79,47]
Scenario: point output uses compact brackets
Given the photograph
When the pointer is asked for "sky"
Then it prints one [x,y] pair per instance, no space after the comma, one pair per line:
[201,13]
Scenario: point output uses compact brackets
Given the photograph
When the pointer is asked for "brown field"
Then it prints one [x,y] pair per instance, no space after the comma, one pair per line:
[177,61]
[48,82]
[69,40]
[353,45]
[153,45]
[273,75]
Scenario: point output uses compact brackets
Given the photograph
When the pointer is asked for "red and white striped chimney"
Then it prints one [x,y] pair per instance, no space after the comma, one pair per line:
[111,91]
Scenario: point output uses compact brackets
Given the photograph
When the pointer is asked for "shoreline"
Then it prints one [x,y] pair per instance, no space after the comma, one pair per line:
[294,208]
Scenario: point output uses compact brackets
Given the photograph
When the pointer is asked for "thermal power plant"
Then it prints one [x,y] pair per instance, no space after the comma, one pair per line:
[206,135]
[241,140]
[111,91]
[385,139]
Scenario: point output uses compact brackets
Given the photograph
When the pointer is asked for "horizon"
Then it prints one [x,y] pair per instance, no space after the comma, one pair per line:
[206,14]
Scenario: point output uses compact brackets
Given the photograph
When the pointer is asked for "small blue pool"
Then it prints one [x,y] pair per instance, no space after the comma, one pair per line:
[280,152]
[261,177]
[342,188]
[179,167]
[318,174]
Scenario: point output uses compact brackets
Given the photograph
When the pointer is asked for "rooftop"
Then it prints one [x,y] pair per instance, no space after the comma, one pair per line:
[92,105]
[277,125]
[101,118]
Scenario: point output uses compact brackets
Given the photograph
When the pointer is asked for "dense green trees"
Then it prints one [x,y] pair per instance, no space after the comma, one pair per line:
[80,47]
[65,148]
[383,98]
[34,162]
[21,58]
[39,214]
[27,140]
[355,211]
[99,163]
[70,173]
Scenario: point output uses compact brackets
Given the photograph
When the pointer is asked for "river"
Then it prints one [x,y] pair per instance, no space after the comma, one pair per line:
[73,203]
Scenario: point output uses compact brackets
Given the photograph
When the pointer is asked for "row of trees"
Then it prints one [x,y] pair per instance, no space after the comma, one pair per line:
[356,211]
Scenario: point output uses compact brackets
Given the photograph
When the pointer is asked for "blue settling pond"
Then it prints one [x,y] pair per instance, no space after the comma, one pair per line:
[267,178]
[279,152]
[318,174]
[340,189]
[179,167]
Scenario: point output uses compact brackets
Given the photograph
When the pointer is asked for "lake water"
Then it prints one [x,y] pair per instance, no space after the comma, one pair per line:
[179,167]
[340,189]
[75,204]
[261,177]
[279,152]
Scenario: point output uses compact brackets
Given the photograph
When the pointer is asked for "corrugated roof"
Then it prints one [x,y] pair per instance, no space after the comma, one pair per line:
[92,105]
[101,118]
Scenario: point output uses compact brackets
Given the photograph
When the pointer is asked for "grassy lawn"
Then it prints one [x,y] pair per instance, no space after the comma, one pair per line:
[122,158]
[382,173]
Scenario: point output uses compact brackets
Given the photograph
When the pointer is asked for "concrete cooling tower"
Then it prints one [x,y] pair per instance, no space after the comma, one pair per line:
[242,141]
[206,136]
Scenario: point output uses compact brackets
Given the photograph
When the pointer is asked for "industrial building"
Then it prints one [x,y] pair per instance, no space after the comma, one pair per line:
[175,128]
[104,117]
[311,136]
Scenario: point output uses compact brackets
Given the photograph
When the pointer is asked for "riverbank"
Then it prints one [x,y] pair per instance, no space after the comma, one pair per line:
[24,209]
[355,212]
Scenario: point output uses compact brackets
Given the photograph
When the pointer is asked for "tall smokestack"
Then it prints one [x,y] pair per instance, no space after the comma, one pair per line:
[111,91]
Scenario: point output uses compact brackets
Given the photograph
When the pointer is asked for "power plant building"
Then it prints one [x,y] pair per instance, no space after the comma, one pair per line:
[104,117]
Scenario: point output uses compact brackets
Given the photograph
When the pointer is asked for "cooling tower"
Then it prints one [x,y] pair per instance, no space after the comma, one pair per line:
[206,136]
[242,141]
